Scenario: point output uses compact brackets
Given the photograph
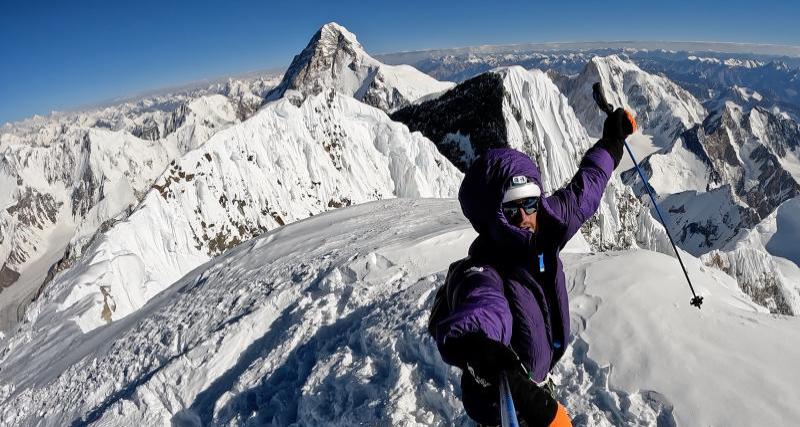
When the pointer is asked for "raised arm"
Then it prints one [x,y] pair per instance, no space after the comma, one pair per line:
[572,205]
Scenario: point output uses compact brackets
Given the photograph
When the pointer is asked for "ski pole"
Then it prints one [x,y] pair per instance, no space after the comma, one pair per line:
[600,99]
[508,415]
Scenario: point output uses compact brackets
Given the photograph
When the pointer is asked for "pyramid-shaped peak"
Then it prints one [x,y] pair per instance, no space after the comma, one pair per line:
[332,37]
[334,30]
[334,59]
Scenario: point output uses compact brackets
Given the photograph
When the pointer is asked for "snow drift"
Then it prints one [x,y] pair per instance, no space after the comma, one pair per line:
[323,322]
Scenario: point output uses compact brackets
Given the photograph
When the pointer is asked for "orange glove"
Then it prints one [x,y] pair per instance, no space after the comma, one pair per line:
[632,120]
[562,418]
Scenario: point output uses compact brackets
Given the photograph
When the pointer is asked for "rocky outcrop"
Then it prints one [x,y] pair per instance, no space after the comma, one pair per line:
[473,109]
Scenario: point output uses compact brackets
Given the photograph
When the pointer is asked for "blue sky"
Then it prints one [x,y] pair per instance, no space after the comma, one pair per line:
[62,54]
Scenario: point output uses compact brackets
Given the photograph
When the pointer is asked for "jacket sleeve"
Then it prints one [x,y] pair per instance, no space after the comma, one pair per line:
[476,304]
[572,205]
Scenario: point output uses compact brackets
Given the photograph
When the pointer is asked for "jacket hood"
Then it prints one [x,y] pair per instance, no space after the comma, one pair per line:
[481,196]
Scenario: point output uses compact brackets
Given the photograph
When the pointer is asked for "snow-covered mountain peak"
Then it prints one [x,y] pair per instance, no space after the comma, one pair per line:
[506,106]
[335,59]
[538,121]
[333,34]
[607,67]
[662,108]
[284,164]
[65,176]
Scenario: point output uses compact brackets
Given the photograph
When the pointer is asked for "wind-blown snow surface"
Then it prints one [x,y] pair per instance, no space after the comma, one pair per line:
[322,322]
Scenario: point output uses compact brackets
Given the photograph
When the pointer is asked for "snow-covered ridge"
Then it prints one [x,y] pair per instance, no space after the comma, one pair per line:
[730,62]
[334,59]
[284,164]
[663,109]
[765,259]
[506,106]
[322,322]
[720,179]
[139,113]
[69,174]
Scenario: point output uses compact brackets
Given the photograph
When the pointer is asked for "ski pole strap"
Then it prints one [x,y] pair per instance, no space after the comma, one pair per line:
[508,415]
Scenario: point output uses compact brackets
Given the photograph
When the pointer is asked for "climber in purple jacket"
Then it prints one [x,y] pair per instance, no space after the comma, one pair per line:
[505,307]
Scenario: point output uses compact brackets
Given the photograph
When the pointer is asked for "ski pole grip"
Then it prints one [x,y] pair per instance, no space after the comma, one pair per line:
[600,98]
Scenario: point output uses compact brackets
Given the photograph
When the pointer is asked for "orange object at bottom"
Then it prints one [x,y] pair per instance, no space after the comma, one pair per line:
[562,418]
[634,125]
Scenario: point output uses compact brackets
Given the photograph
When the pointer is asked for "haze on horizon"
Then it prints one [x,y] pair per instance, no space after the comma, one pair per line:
[62,57]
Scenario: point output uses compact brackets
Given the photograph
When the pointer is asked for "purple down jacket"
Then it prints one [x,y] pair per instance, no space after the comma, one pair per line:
[511,286]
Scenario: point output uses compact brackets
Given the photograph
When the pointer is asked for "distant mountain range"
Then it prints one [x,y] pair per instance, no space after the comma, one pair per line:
[110,215]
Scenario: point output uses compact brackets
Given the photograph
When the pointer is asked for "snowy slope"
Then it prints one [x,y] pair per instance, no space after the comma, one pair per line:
[765,260]
[703,221]
[322,322]
[663,109]
[68,175]
[673,170]
[284,164]
[335,59]
[736,167]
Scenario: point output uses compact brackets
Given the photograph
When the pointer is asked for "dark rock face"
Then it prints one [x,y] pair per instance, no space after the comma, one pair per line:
[176,119]
[764,288]
[768,292]
[775,184]
[147,130]
[474,108]
[717,142]
[323,51]
[788,129]
[7,277]
[758,179]
[85,194]
[33,210]
[379,95]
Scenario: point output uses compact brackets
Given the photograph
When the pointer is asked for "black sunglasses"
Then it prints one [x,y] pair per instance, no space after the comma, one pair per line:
[528,204]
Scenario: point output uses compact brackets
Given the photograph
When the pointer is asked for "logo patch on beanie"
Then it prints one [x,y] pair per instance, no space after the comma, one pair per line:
[519,180]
